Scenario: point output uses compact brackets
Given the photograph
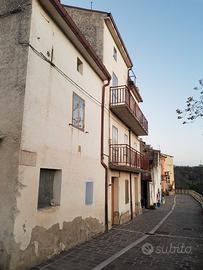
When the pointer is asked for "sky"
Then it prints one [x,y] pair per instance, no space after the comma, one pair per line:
[165,41]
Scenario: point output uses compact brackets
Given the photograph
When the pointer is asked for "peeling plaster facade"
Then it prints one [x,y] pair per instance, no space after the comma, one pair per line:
[15,29]
[36,104]
[40,77]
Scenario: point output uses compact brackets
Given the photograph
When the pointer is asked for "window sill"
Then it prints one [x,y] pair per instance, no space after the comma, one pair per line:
[49,209]
[81,129]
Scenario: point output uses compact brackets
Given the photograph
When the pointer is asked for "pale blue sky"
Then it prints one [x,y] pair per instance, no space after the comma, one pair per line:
[165,41]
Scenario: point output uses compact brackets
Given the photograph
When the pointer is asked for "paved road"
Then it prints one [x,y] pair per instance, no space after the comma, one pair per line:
[170,237]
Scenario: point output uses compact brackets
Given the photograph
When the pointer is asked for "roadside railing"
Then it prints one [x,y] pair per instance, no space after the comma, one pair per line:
[197,196]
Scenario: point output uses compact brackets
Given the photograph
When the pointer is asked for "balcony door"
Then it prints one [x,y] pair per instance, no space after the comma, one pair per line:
[126,149]
[114,135]
[115,144]
[114,90]
[114,200]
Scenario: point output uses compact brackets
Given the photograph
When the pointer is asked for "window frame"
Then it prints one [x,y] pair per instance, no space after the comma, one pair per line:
[126,140]
[79,66]
[115,54]
[89,201]
[81,99]
[56,186]
[127,194]
[114,132]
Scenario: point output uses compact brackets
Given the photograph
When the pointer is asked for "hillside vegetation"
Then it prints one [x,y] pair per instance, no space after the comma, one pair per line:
[189,178]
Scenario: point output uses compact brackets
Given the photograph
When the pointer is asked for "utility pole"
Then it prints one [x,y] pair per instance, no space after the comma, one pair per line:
[91,4]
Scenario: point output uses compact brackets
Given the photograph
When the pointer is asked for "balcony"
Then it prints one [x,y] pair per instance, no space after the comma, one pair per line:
[132,86]
[125,158]
[123,105]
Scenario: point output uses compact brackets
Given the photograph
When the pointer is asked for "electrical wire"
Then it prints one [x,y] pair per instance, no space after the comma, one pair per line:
[43,57]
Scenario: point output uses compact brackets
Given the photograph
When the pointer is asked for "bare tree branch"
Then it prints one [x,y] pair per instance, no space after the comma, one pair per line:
[194,107]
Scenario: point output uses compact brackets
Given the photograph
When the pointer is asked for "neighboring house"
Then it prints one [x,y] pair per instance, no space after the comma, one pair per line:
[170,172]
[124,121]
[155,185]
[52,180]
[167,173]
[151,182]
[164,174]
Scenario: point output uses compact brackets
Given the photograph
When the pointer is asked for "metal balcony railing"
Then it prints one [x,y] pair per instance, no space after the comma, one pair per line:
[123,155]
[120,95]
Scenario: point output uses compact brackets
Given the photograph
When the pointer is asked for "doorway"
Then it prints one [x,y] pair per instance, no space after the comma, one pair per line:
[114,201]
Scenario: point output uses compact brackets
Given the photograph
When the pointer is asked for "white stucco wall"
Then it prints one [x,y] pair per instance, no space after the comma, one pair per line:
[155,185]
[46,132]
[170,169]
[120,69]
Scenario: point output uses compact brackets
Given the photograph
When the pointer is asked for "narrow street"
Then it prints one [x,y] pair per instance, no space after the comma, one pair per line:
[170,237]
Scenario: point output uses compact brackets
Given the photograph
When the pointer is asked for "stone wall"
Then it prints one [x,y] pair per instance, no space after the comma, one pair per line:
[14,29]
[91,24]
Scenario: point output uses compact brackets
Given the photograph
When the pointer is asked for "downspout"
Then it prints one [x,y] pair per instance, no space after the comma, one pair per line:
[131,201]
[102,154]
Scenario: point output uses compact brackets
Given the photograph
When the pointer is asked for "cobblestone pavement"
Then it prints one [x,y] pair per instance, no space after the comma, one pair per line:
[176,244]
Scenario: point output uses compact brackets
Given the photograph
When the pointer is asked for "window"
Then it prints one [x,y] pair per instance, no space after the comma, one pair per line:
[89,193]
[125,139]
[114,135]
[49,188]
[115,54]
[79,66]
[125,150]
[114,80]
[114,90]
[126,191]
[78,113]
[115,150]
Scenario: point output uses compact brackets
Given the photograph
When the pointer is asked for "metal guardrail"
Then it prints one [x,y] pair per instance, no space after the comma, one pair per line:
[121,95]
[125,155]
[197,196]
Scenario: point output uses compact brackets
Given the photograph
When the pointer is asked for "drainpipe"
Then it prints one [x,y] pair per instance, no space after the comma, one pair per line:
[102,155]
[131,202]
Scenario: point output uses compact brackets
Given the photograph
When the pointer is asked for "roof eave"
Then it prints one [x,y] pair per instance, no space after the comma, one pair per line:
[118,39]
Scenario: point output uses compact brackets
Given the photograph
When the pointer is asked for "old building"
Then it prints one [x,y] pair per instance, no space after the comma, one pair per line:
[52,180]
[151,181]
[70,123]
[170,172]
[167,173]
[164,184]
[124,120]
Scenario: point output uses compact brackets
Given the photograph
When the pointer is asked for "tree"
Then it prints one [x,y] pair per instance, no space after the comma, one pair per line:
[194,107]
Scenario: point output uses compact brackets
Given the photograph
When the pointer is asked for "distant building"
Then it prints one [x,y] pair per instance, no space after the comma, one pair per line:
[170,169]
[167,173]
[151,181]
